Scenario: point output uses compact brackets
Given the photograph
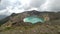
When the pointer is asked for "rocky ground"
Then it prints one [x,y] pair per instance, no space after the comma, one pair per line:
[46,28]
[14,24]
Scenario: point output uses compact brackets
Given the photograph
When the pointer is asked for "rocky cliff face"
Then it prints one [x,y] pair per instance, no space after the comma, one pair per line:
[17,19]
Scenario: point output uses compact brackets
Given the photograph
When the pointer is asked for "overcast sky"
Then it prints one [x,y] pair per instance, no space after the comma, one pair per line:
[17,6]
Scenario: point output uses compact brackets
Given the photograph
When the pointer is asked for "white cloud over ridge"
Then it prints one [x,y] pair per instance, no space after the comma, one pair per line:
[18,6]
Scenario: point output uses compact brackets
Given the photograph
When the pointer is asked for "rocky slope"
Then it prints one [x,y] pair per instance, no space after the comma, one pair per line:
[17,19]
[14,23]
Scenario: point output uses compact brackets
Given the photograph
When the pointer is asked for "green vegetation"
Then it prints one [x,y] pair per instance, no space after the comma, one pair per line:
[7,28]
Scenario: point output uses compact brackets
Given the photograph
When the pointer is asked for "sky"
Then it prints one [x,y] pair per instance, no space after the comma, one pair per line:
[8,7]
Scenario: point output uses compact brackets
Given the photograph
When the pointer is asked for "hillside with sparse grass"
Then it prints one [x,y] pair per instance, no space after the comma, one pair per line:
[14,23]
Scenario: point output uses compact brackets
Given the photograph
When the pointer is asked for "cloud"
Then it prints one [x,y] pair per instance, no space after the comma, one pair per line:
[7,5]
[18,6]
[51,5]
[37,3]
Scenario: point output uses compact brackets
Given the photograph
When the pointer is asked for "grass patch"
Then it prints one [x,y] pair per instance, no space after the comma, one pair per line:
[7,28]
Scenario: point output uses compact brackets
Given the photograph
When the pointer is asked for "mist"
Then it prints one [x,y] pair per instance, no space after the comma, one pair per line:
[8,7]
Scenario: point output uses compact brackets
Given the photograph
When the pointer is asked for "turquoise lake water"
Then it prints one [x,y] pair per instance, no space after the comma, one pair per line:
[33,19]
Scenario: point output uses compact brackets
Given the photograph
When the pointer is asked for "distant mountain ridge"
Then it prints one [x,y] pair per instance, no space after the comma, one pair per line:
[3,16]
